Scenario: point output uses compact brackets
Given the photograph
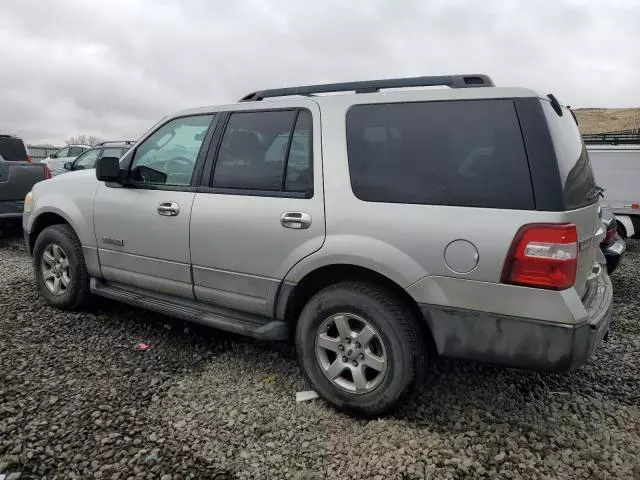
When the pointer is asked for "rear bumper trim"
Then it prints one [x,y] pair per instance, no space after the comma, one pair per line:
[522,342]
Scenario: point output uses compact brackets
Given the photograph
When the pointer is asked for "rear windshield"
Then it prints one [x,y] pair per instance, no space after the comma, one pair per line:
[578,184]
[461,153]
[12,149]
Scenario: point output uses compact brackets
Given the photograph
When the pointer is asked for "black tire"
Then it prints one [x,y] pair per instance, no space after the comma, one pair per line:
[621,230]
[401,333]
[77,292]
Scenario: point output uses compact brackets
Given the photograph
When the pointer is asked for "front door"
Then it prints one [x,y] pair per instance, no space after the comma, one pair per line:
[142,228]
[261,211]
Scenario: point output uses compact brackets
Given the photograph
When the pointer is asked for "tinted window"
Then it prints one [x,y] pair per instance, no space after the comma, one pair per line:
[86,160]
[75,151]
[573,161]
[299,170]
[465,153]
[257,149]
[113,152]
[12,149]
[63,152]
[168,156]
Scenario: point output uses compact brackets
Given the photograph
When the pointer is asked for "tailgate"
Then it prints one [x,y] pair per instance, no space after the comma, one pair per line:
[17,179]
[590,233]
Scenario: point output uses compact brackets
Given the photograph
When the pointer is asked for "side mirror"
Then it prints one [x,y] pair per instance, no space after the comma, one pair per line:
[108,169]
[53,155]
[68,165]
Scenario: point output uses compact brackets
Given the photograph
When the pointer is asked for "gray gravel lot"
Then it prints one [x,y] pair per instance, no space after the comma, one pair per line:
[77,401]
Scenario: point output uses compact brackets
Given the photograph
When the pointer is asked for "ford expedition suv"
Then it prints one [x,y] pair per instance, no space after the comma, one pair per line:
[378,228]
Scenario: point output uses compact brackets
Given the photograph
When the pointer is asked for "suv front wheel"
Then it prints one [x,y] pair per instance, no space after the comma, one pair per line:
[60,272]
[360,348]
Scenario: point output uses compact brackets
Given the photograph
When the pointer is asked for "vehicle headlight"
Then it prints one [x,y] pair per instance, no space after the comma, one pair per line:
[28,203]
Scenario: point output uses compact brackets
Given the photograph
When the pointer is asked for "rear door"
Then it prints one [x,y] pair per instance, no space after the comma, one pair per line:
[261,208]
[580,193]
[142,229]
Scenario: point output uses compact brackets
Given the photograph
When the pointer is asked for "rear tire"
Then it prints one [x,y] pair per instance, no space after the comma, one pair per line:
[60,272]
[365,379]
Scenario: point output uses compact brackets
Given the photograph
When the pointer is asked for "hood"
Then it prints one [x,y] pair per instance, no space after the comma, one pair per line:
[68,183]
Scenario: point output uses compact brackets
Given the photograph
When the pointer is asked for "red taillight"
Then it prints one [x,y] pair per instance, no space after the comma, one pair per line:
[544,256]
[47,172]
[610,234]
[29,158]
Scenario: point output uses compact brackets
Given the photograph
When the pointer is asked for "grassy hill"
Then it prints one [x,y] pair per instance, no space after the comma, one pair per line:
[598,120]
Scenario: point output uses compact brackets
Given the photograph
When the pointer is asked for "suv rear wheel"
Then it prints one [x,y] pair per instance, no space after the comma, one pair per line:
[60,271]
[360,348]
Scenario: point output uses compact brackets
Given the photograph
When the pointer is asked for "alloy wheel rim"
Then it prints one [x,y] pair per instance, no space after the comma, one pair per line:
[54,266]
[351,353]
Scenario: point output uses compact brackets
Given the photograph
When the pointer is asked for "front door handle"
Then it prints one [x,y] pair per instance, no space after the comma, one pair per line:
[297,220]
[169,209]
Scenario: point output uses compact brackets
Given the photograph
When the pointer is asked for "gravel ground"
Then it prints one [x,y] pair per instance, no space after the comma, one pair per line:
[78,401]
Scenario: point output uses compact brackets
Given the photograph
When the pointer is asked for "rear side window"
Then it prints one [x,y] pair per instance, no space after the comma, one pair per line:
[75,151]
[266,151]
[12,149]
[112,152]
[578,184]
[460,153]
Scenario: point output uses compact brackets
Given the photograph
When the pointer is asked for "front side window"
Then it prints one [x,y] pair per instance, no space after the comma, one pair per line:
[86,160]
[266,151]
[63,152]
[459,153]
[168,156]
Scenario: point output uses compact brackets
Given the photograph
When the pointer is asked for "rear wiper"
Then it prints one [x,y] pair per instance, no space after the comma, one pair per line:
[596,191]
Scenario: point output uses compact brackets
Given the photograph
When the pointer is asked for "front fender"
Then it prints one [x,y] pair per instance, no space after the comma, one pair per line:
[72,199]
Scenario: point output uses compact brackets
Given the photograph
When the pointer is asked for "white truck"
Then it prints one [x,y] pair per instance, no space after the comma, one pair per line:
[617,169]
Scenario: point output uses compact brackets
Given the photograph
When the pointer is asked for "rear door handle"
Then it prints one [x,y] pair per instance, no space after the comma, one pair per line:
[296,220]
[169,209]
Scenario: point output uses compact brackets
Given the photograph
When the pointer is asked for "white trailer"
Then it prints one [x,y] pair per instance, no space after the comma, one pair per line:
[617,169]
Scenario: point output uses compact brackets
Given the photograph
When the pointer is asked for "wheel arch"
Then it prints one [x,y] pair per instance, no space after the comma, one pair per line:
[293,297]
[625,224]
[44,220]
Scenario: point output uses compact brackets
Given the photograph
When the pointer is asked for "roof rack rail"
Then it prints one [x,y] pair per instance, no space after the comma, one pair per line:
[628,137]
[371,86]
[127,142]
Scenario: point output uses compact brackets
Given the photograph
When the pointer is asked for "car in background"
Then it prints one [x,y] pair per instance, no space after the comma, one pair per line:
[88,158]
[56,160]
[17,176]
[613,245]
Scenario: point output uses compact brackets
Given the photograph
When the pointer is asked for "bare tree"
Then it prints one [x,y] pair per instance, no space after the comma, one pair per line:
[83,139]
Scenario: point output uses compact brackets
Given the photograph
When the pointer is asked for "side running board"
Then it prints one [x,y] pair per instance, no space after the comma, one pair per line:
[256,326]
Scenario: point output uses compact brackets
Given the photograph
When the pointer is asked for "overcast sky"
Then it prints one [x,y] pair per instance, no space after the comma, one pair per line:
[113,68]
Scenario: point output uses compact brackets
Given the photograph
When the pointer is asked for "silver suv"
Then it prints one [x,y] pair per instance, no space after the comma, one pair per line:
[379,228]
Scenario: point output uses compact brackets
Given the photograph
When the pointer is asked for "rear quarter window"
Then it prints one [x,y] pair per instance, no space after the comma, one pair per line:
[459,153]
[575,170]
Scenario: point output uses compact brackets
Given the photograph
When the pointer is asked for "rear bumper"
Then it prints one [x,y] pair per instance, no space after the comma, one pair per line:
[522,342]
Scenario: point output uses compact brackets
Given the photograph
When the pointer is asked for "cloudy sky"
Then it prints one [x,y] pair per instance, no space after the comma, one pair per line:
[112,68]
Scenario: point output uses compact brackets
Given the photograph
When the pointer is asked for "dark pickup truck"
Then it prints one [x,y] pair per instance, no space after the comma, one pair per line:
[17,176]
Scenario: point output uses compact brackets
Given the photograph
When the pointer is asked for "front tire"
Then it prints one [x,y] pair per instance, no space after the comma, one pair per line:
[58,264]
[360,348]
